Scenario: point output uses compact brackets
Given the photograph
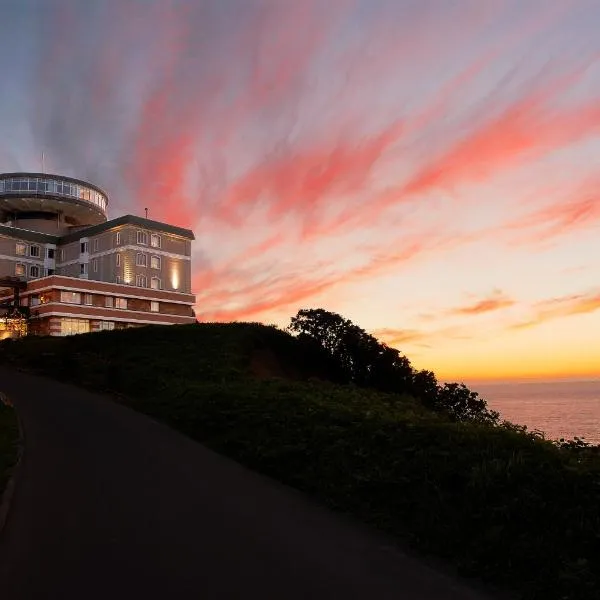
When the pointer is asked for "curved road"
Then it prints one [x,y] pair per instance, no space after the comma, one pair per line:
[110,504]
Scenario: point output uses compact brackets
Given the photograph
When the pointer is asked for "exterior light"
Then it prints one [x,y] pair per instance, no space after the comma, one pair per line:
[175,276]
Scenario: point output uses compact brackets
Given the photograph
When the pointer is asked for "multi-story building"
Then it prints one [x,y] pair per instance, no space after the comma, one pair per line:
[70,270]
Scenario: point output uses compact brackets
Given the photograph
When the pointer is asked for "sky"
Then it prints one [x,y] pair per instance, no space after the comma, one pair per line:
[427,168]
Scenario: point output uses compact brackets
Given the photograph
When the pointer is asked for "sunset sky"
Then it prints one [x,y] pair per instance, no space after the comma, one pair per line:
[429,169]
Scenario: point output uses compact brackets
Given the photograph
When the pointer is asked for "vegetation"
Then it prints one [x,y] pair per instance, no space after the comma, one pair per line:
[354,425]
[9,435]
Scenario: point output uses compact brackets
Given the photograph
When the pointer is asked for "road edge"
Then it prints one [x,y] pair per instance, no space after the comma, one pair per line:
[7,495]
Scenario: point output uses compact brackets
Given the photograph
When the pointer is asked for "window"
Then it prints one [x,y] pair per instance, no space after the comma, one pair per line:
[155,283]
[121,303]
[117,279]
[50,271]
[141,260]
[118,260]
[34,251]
[140,280]
[34,300]
[118,239]
[21,249]
[96,244]
[88,299]
[95,265]
[154,306]
[84,247]
[155,262]
[19,270]
[106,325]
[70,297]
[50,253]
[142,238]
[83,268]
[61,255]
[74,326]
[109,302]
[34,271]
[155,240]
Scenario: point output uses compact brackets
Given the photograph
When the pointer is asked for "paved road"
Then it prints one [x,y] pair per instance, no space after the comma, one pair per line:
[110,504]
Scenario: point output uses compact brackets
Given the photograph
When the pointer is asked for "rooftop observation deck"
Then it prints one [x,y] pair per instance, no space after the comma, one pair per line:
[78,201]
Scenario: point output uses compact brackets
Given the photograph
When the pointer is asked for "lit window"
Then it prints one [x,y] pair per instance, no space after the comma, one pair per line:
[83,268]
[34,251]
[155,283]
[74,326]
[140,280]
[84,247]
[109,302]
[21,249]
[118,239]
[142,238]
[121,303]
[155,262]
[95,265]
[118,262]
[154,306]
[96,244]
[88,299]
[34,271]
[141,260]
[19,270]
[70,297]
[155,240]
[106,325]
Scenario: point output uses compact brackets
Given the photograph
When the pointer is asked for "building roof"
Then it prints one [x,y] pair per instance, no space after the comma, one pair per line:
[128,220]
[44,238]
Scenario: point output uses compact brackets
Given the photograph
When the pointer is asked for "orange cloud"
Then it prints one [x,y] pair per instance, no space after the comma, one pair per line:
[564,306]
[418,337]
[496,301]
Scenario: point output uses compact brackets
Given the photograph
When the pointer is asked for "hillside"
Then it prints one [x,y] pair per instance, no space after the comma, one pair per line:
[498,503]
[9,435]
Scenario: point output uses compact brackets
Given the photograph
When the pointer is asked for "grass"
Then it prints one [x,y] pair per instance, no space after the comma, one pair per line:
[499,504]
[9,436]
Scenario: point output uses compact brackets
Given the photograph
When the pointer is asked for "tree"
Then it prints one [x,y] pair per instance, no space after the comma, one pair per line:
[360,358]
[425,387]
[462,404]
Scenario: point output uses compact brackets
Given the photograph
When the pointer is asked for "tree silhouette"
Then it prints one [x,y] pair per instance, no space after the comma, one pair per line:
[358,357]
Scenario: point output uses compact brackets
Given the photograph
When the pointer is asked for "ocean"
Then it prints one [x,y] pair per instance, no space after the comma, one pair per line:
[559,408]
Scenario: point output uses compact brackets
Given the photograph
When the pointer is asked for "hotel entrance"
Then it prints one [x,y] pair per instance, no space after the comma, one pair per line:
[14,318]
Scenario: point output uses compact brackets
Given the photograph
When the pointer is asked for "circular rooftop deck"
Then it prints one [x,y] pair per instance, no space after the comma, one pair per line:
[78,201]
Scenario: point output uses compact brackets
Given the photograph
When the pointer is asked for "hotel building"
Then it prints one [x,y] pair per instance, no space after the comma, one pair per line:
[65,268]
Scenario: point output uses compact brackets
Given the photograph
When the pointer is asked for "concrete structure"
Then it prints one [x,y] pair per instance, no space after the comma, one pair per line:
[67,269]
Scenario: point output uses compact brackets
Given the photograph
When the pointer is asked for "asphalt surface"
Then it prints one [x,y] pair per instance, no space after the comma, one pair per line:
[110,504]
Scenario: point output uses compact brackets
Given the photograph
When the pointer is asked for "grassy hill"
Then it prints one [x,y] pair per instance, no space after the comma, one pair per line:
[496,502]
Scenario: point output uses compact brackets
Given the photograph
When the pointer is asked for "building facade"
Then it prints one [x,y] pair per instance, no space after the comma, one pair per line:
[68,269]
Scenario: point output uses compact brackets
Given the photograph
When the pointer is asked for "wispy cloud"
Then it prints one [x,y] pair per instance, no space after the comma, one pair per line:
[419,338]
[496,301]
[564,306]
